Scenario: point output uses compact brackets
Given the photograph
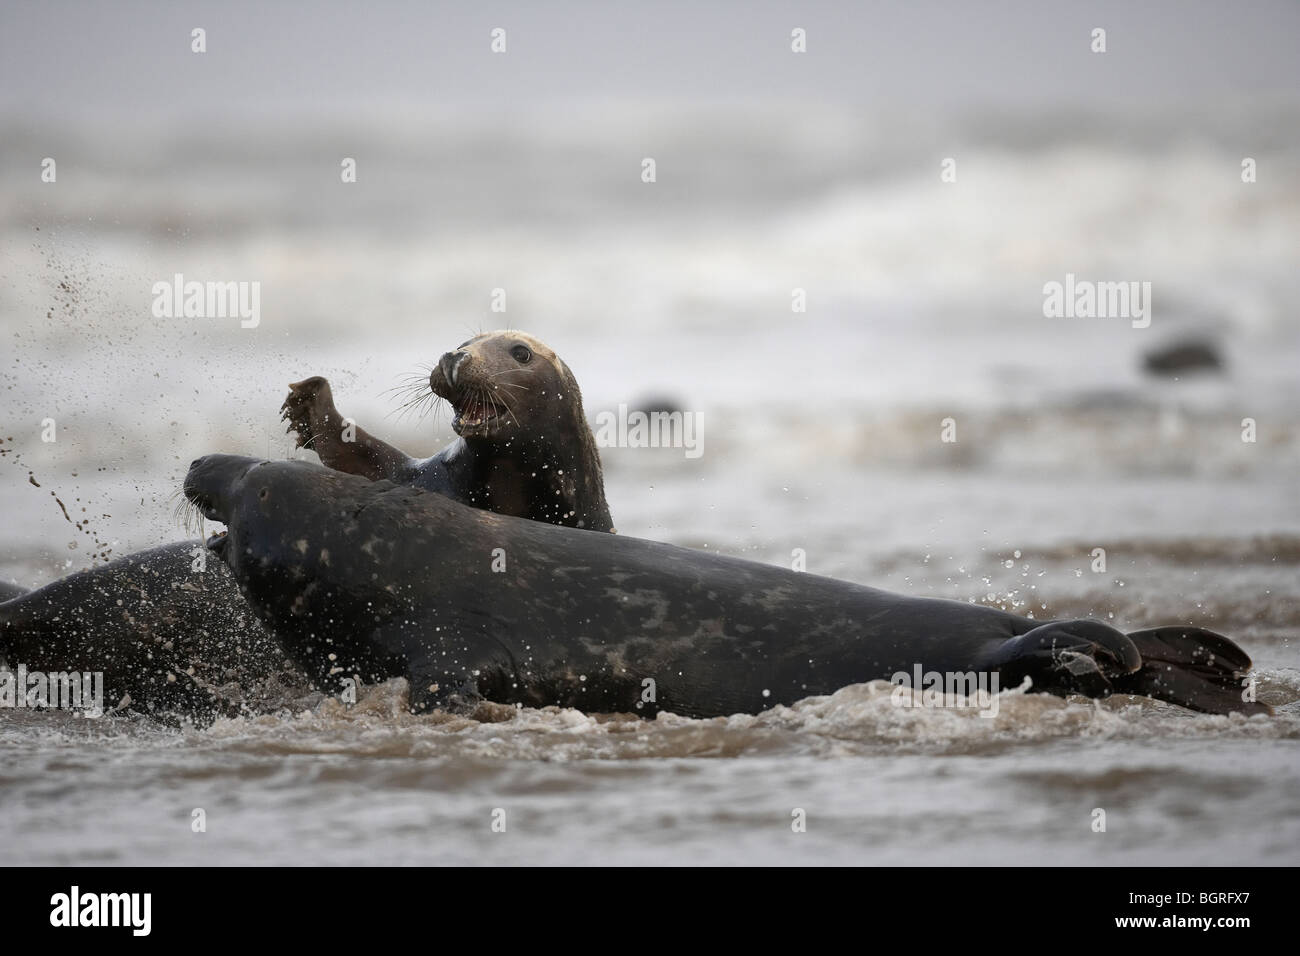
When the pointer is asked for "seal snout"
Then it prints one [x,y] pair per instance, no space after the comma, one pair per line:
[465,384]
[210,481]
[450,366]
[198,487]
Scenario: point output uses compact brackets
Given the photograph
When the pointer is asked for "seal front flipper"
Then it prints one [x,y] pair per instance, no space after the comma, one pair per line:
[309,410]
[1191,666]
[455,673]
[341,444]
[1067,657]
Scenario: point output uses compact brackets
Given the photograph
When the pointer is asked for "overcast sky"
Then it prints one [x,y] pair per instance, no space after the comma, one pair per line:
[62,59]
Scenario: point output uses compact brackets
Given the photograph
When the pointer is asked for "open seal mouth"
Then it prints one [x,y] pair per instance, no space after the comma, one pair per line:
[216,543]
[214,485]
[461,381]
[476,411]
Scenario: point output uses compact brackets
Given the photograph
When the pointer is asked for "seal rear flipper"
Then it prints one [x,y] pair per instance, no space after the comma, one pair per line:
[1067,657]
[1193,667]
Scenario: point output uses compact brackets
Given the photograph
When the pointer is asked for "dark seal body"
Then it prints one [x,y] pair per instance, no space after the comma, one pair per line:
[168,630]
[377,580]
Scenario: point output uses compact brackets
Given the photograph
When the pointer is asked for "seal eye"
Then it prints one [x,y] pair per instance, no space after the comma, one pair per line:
[521,354]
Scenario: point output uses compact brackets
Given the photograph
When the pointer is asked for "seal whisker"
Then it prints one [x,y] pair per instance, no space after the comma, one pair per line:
[415,395]
[495,378]
[521,370]
[420,403]
[403,392]
[186,513]
[412,390]
[413,379]
[505,403]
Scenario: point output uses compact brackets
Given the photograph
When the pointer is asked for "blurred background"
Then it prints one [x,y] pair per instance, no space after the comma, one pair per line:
[776,171]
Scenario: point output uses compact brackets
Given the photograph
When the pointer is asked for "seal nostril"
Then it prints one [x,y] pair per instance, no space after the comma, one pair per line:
[450,365]
[262,495]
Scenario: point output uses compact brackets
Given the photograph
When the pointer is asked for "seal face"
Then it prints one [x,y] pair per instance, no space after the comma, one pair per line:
[524,446]
[403,584]
[477,379]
